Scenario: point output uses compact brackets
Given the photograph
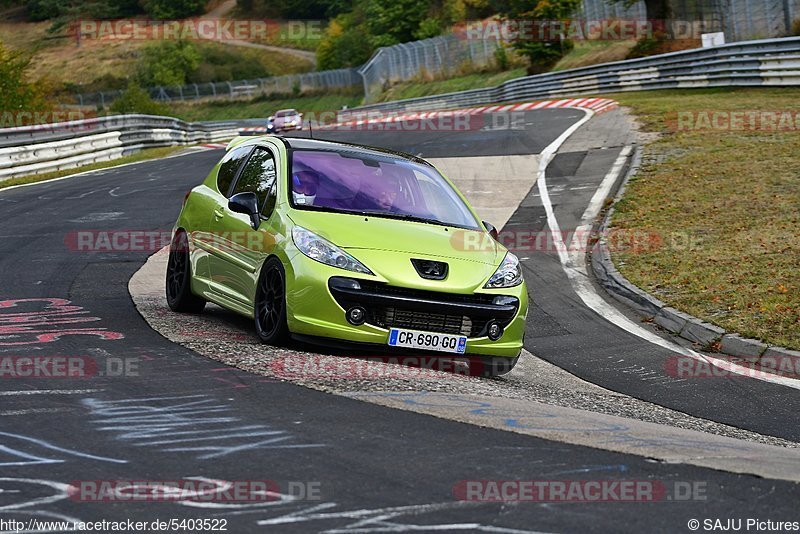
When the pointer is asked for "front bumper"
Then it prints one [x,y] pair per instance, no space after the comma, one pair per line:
[318,297]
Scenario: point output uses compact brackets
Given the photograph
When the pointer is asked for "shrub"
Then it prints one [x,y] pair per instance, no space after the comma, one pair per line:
[136,100]
[167,63]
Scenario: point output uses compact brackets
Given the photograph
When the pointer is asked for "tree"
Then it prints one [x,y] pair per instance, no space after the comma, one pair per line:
[16,92]
[542,54]
[167,63]
[173,9]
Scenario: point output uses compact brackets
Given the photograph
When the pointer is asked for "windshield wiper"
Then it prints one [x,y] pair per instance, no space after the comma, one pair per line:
[404,216]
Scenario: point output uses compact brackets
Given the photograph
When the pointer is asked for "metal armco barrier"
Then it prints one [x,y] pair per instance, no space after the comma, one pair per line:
[769,62]
[52,147]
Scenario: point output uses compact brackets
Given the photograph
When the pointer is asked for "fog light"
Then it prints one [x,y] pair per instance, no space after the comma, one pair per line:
[494,330]
[356,315]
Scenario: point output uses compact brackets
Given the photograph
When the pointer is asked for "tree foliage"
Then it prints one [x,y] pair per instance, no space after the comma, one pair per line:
[167,63]
[352,37]
[136,100]
[17,93]
[542,54]
[113,9]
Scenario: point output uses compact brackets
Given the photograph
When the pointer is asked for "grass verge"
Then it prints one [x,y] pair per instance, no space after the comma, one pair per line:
[262,107]
[149,153]
[725,205]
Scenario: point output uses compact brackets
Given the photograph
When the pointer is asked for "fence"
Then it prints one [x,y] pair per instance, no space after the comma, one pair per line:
[289,84]
[436,56]
[740,20]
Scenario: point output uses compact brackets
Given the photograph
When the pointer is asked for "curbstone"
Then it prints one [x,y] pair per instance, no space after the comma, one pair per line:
[781,352]
[701,332]
[735,345]
[672,319]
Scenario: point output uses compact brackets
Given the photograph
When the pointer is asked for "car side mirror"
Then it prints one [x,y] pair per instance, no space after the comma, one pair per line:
[491,229]
[247,203]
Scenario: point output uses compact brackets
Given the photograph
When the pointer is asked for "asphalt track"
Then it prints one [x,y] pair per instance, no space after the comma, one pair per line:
[378,469]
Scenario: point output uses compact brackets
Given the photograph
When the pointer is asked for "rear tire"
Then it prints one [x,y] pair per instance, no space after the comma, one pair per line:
[270,304]
[179,278]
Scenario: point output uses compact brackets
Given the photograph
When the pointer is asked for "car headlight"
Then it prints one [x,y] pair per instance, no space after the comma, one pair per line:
[324,251]
[507,275]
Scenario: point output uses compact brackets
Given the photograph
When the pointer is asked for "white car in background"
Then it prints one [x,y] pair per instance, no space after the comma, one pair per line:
[285,119]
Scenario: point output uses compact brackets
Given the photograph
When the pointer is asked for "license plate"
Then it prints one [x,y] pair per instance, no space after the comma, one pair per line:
[414,339]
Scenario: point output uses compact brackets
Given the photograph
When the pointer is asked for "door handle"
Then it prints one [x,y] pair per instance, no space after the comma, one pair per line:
[218,214]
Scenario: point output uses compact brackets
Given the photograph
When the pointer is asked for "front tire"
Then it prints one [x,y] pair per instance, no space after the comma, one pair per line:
[179,278]
[270,304]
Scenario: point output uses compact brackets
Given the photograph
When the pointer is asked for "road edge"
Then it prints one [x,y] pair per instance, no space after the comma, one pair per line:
[712,338]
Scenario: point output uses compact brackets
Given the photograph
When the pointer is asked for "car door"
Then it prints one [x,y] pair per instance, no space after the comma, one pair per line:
[240,249]
[208,199]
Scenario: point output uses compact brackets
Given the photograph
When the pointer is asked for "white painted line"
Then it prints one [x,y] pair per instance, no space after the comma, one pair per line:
[573,262]
[33,411]
[49,392]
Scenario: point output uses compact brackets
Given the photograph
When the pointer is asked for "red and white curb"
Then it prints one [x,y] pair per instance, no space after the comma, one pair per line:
[598,105]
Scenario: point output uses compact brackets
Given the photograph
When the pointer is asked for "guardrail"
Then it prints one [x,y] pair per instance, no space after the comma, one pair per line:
[752,63]
[52,147]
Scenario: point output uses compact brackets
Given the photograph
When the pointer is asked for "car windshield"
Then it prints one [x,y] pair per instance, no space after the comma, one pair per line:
[285,113]
[368,184]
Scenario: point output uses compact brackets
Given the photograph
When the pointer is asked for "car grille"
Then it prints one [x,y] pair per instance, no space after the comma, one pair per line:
[430,311]
[461,325]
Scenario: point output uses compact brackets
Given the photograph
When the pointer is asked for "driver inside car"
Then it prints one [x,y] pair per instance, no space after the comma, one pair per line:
[304,187]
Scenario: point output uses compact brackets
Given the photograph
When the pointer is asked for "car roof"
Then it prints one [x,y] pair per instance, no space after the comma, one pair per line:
[304,143]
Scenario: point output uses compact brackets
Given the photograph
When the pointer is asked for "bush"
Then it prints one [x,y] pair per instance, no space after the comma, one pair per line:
[543,55]
[98,9]
[218,64]
[136,100]
[173,9]
[167,63]
[501,57]
[796,27]
[16,92]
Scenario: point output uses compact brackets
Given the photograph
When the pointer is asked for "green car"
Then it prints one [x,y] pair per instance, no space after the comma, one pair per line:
[338,244]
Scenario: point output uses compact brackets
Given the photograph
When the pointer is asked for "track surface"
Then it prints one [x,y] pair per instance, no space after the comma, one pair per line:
[364,457]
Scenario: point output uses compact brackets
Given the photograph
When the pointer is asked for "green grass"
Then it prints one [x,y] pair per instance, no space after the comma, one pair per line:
[262,107]
[593,53]
[419,88]
[726,205]
[149,153]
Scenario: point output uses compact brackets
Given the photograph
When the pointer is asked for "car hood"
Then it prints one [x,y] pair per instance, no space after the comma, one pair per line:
[415,239]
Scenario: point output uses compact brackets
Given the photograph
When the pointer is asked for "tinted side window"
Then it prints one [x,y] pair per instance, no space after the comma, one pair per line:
[259,176]
[230,164]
